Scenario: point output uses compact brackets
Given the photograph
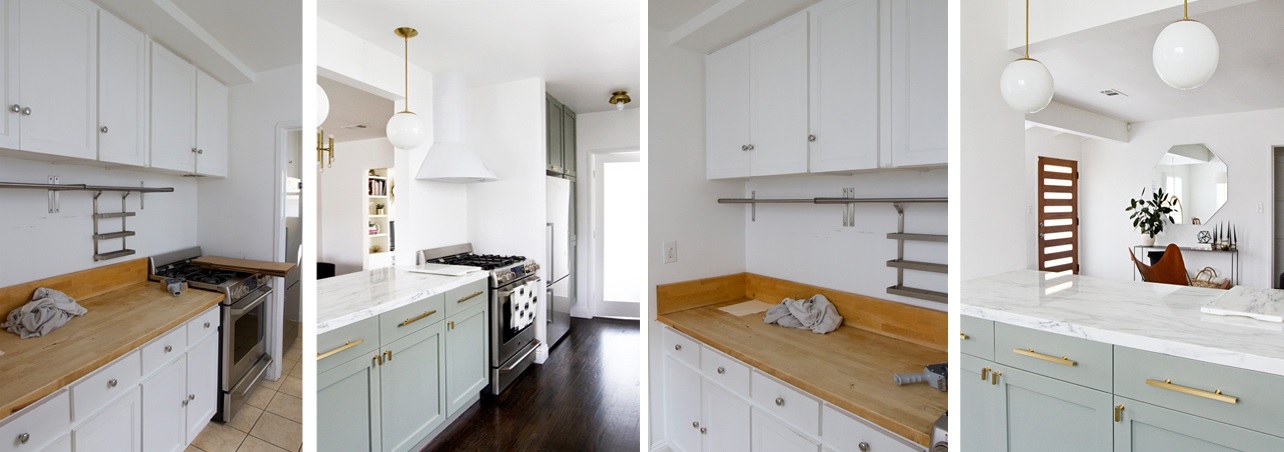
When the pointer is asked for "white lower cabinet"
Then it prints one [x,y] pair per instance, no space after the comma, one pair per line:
[164,400]
[38,425]
[62,444]
[681,405]
[726,419]
[770,434]
[202,385]
[117,428]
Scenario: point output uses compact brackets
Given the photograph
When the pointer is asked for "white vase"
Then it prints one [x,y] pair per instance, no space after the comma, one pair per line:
[1147,240]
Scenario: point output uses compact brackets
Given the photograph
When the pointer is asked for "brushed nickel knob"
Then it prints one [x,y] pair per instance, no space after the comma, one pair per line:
[207,324]
[112,383]
[750,147]
[16,109]
[721,371]
[193,150]
[23,438]
[191,397]
[184,402]
[744,147]
[695,424]
[780,401]
[677,347]
[169,348]
[26,111]
[863,446]
[103,129]
[703,430]
[811,138]
[200,151]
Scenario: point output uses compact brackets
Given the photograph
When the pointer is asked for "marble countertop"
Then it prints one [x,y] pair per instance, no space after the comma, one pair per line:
[1159,318]
[347,299]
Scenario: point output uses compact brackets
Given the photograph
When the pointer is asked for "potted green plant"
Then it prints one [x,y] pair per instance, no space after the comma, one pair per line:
[1149,215]
[379,209]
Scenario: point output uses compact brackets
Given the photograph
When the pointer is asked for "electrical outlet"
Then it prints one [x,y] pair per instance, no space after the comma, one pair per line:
[670,252]
[1260,208]
[1029,209]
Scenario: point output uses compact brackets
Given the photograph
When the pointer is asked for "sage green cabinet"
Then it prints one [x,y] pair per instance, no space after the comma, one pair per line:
[1143,427]
[1035,412]
[560,134]
[348,406]
[568,141]
[467,369]
[984,415]
[410,389]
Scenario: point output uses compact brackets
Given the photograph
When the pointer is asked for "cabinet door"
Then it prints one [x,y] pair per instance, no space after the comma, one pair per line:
[568,141]
[681,405]
[117,428]
[984,418]
[202,385]
[918,82]
[1051,415]
[348,414]
[57,69]
[211,126]
[727,112]
[778,98]
[1143,427]
[411,388]
[9,73]
[553,117]
[121,92]
[844,85]
[770,434]
[726,419]
[173,112]
[164,408]
[467,350]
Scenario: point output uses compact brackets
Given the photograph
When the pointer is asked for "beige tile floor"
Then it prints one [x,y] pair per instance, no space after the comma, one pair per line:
[271,420]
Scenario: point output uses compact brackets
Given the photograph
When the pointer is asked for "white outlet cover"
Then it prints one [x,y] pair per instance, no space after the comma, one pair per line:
[670,252]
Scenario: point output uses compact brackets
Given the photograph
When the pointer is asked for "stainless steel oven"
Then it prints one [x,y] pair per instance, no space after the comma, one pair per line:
[513,342]
[244,360]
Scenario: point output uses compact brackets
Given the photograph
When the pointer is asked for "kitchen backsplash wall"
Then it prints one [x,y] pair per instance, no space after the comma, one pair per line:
[37,244]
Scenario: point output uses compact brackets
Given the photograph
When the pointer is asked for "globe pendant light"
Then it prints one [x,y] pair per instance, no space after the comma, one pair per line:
[1186,53]
[323,105]
[1026,83]
[405,129]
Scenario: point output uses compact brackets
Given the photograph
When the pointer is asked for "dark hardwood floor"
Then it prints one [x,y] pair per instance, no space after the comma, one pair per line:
[584,398]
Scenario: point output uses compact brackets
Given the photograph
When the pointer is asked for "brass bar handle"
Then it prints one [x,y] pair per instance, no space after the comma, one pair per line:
[387,355]
[994,377]
[985,373]
[461,300]
[1119,409]
[416,318]
[1215,395]
[1064,361]
[345,346]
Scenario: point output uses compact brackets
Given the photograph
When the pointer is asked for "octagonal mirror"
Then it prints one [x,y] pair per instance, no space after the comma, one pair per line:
[1197,177]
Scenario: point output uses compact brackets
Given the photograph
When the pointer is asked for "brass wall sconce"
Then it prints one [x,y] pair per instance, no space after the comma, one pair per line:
[322,149]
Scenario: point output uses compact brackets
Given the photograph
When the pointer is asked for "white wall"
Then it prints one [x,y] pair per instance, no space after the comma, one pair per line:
[1111,173]
[37,244]
[600,132]
[1040,142]
[342,210]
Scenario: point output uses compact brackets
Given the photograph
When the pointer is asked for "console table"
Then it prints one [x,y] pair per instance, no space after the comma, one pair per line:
[1233,255]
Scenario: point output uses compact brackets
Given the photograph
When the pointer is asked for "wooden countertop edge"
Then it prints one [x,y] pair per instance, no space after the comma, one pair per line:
[920,437]
[54,385]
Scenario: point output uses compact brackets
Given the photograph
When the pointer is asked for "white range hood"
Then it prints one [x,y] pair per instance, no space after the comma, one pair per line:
[449,159]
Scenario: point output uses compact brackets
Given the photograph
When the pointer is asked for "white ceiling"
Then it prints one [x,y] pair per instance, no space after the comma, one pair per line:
[703,26]
[351,107]
[583,49]
[1249,75]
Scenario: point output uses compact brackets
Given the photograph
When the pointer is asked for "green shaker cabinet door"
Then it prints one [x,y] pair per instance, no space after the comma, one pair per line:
[466,352]
[553,116]
[1147,428]
[348,407]
[1046,414]
[410,383]
[984,418]
[568,141]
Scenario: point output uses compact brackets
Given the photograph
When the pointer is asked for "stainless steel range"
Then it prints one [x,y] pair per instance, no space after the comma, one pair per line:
[514,296]
[242,359]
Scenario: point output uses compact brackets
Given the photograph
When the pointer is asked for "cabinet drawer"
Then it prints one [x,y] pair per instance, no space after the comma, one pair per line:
[1258,400]
[400,322]
[787,403]
[164,349]
[725,370]
[683,348]
[465,297]
[1086,362]
[113,380]
[844,432]
[204,325]
[342,345]
[40,424]
[977,337]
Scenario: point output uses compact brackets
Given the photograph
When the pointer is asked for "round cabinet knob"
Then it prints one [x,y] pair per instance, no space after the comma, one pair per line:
[207,324]
[677,347]
[23,438]
[200,151]
[863,446]
[811,138]
[193,150]
[780,401]
[721,371]
[695,424]
[103,129]
[184,402]
[191,397]
[112,383]
[16,109]
[169,348]
[744,147]
[26,111]
[751,147]
[703,430]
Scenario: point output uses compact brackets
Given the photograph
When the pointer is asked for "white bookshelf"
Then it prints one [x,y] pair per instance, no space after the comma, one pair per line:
[379,192]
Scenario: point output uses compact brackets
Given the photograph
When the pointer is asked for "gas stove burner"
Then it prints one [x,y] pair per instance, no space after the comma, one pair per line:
[485,261]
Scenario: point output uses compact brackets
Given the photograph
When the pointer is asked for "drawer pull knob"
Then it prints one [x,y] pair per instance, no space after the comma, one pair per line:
[103,129]
[23,438]
[207,324]
[416,318]
[695,424]
[1215,395]
[1064,361]
[191,397]
[703,430]
[345,346]
[985,373]
[863,446]
[461,300]
[1119,409]
[994,378]
[677,347]
[169,348]
[780,401]
[721,370]
[185,401]
[112,383]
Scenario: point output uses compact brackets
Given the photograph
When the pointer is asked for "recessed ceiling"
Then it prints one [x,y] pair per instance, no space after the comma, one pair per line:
[351,108]
[583,49]
[703,26]
[1248,76]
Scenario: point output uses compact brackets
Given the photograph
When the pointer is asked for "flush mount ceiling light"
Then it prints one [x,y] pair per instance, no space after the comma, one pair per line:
[1026,83]
[405,129]
[619,98]
[1186,53]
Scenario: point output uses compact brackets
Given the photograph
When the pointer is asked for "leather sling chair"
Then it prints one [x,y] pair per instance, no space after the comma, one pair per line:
[1170,269]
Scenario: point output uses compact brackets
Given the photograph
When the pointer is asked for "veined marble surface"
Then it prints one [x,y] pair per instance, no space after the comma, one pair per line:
[1261,304]
[1159,318]
[347,299]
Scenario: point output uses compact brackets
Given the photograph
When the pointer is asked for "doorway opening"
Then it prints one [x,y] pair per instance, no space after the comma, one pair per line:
[1278,242]
[618,235]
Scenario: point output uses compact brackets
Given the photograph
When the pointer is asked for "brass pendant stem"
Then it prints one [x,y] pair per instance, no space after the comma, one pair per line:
[406,33]
[1185,12]
[1027,28]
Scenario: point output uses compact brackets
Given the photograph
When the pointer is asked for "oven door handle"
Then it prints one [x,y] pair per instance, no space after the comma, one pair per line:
[241,308]
[507,292]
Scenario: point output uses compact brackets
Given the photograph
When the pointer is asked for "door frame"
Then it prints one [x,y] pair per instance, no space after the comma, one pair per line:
[276,316]
[596,292]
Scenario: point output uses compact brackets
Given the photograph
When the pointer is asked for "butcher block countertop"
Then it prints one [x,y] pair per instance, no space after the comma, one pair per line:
[125,312]
[850,368]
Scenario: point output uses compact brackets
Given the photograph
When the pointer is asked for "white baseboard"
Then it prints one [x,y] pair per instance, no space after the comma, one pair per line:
[662,446]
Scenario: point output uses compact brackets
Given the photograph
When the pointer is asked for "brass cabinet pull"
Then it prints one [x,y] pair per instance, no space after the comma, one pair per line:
[1215,395]
[1119,409]
[1064,361]
[994,377]
[461,300]
[376,360]
[451,324]
[387,355]
[345,346]
[962,336]
[416,318]
[985,373]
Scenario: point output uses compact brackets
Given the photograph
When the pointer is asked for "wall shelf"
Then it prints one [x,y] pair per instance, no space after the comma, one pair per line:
[54,189]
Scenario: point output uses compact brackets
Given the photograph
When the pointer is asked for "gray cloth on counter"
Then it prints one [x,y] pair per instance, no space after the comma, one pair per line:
[815,313]
[48,310]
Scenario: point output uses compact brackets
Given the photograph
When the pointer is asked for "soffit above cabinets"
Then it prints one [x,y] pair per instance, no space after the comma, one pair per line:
[350,107]
[703,26]
[232,40]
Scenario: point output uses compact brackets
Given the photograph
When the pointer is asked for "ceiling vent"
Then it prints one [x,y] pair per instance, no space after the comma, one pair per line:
[1113,93]
[355,126]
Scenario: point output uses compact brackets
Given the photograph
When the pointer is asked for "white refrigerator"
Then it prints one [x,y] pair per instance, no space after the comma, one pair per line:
[560,261]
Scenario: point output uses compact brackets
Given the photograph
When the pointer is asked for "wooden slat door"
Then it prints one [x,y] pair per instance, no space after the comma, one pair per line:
[1058,215]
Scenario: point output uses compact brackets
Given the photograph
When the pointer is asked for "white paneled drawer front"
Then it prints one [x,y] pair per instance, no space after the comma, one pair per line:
[113,380]
[34,428]
[786,402]
[683,348]
[725,370]
[203,325]
[843,432]
[164,349]
[342,345]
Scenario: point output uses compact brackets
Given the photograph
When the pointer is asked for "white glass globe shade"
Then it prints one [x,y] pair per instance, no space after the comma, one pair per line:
[406,130]
[323,106]
[1186,54]
[1026,85]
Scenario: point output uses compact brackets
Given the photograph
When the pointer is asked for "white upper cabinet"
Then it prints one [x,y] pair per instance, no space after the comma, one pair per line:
[173,111]
[844,86]
[211,126]
[778,98]
[50,77]
[918,82]
[727,107]
[122,71]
